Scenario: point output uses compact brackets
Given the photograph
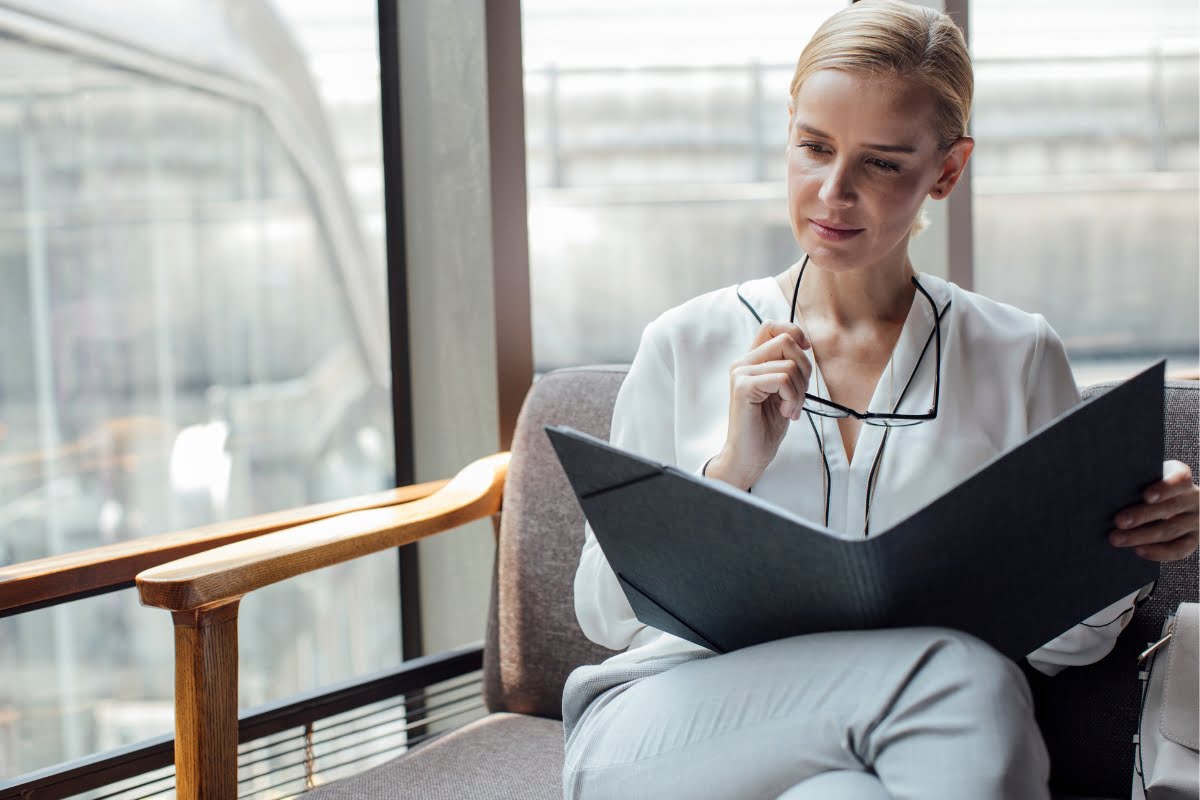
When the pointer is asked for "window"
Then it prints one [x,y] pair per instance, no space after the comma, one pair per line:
[1085,173]
[655,142]
[195,329]
[655,138]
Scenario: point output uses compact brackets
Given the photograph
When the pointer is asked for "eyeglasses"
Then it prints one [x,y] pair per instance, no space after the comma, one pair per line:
[827,408]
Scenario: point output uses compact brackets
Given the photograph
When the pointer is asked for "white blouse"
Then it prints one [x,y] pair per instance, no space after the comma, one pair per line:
[1004,374]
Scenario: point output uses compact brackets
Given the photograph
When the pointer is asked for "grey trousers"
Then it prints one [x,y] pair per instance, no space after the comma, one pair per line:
[905,713]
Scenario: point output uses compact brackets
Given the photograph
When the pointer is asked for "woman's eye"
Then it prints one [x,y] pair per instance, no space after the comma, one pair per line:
[886,166]
[813,147]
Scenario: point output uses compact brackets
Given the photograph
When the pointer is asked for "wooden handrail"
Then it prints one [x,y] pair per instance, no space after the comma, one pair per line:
[61,577]
[226,573]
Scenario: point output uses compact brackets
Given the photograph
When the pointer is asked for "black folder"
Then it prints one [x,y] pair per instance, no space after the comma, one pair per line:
[1015,554]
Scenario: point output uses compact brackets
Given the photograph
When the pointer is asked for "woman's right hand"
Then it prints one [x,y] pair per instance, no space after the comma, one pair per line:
[766,394]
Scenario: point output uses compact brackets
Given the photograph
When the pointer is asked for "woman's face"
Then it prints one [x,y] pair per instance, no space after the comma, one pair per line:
[862,155]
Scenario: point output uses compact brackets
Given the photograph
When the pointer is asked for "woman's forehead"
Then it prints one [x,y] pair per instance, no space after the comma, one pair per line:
[861,109]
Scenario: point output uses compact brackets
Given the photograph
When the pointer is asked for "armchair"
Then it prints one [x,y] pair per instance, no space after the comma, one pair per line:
[533,642]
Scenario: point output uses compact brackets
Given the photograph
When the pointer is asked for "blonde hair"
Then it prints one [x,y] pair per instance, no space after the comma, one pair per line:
[894,38]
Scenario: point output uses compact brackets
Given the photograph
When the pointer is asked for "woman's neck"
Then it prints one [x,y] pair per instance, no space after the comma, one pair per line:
[867,296]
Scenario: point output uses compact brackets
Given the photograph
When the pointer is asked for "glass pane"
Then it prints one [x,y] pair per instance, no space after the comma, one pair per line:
[655,143]
[1085,172]
[194,329]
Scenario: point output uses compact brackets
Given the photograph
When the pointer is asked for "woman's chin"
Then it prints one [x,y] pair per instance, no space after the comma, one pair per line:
[855,253]
[838,257]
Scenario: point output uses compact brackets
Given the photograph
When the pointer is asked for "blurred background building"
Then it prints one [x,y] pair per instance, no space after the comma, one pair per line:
[193,320]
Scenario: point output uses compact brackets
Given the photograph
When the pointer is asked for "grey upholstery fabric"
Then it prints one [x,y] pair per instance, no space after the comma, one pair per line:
[1088,715]
[500,756]
[534,640]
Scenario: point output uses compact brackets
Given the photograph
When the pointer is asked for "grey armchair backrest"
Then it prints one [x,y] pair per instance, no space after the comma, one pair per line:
[533,639]
[1087,714]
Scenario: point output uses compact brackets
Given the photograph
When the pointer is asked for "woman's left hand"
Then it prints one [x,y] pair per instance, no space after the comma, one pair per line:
[1167,525]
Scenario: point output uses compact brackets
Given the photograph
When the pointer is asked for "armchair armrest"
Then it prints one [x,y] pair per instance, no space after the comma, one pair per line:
[59,578]
[226,573]
[203,592]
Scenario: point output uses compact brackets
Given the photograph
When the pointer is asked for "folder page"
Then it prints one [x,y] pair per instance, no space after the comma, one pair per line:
[710,559]
[1018,552]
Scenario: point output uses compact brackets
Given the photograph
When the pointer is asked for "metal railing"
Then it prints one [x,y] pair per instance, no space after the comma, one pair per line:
[614,112]
[288,747]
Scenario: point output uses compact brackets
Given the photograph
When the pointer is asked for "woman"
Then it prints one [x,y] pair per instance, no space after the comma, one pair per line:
[767,386]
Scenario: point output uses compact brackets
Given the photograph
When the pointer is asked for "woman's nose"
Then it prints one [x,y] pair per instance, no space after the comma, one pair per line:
[837,190]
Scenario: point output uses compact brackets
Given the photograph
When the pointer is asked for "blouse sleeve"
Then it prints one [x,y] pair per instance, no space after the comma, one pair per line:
[1050,391]
[643,422]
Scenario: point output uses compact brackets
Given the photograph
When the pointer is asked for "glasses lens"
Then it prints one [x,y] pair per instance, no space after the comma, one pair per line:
[819,408]
[891,422]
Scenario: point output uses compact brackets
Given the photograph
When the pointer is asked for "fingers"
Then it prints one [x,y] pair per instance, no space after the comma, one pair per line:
[778,347]
[781,347]
[1177,479]
[756,383]
[1136,516]
[788,379]
[771,329]
[1166,530]
[790,362]
[1170,551]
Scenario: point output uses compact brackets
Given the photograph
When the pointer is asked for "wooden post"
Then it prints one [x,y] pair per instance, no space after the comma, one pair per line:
[206,702]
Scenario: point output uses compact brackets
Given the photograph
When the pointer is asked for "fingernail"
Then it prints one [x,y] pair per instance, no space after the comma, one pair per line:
[1123,520]
[1118,539]
[1153,497]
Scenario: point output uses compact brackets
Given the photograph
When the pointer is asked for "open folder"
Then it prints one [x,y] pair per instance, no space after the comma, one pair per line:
[1015,554]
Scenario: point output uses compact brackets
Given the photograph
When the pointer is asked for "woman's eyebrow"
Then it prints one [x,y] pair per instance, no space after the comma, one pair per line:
[811,130]
[886,148]
[892,148]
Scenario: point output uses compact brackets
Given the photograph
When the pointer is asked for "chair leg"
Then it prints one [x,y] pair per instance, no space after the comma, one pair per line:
[206,718]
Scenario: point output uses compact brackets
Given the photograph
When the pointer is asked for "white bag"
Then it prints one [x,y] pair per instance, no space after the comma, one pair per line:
[1167,766]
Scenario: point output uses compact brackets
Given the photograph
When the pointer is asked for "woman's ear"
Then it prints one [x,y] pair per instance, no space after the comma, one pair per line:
[953,164]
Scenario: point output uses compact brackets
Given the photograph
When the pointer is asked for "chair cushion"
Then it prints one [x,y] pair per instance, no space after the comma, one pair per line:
[533,639]
[502,755]
[1088,715]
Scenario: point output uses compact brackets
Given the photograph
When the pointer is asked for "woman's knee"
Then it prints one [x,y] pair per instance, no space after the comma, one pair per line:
[981,668]
[963,694]
[984,692]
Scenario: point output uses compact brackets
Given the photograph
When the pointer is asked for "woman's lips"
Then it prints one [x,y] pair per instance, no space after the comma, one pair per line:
[834,233]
